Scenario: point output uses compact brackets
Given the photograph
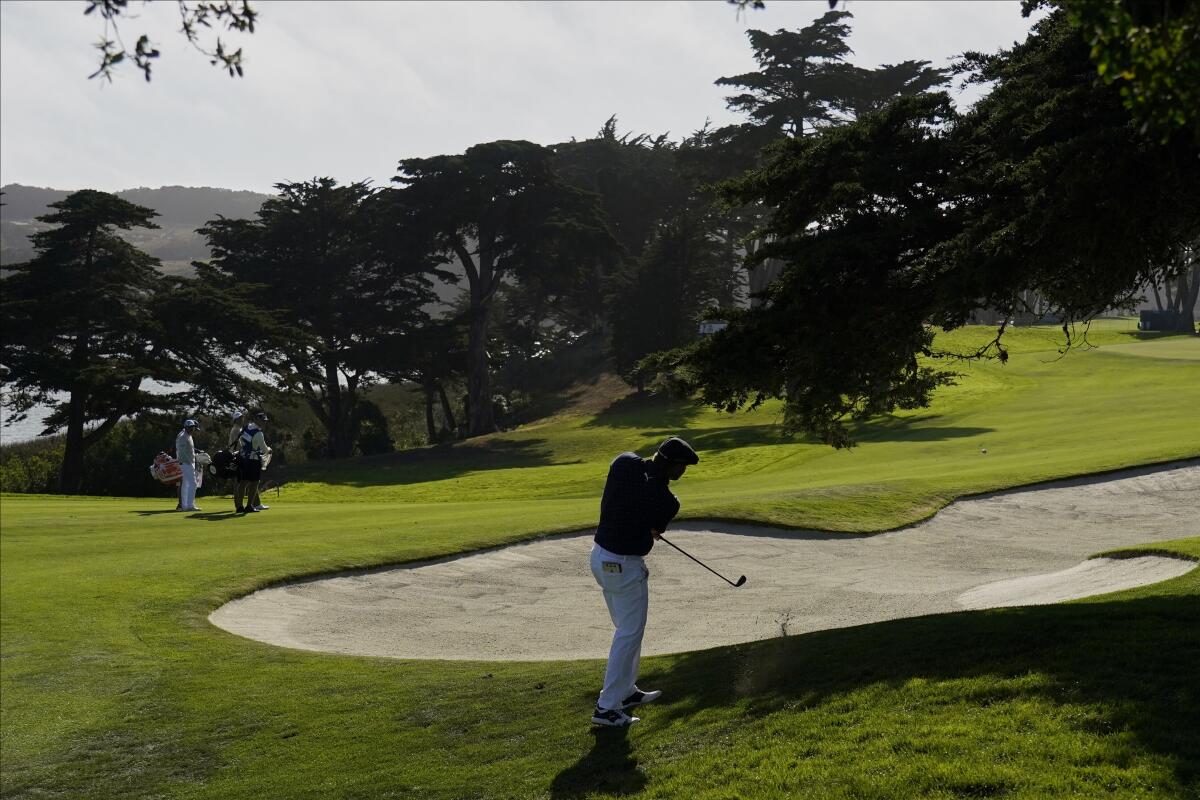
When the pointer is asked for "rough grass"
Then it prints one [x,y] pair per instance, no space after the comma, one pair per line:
[115,685]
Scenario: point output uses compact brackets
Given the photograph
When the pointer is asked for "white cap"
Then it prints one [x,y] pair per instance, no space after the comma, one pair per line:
[238,414]
[190,423]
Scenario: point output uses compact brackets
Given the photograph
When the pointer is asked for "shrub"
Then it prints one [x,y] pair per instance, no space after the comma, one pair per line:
[373,435]
[118,464]
[31,467]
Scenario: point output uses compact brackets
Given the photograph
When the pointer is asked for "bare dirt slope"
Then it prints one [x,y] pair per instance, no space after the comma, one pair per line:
[537,600]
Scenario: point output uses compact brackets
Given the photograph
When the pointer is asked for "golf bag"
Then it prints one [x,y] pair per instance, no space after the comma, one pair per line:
[224,465]
[166,469]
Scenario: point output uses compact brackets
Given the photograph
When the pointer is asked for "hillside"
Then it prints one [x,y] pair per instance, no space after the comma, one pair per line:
[182,209]
[1002,425]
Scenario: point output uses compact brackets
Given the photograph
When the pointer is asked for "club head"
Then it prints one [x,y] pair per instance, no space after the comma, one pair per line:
[740,581]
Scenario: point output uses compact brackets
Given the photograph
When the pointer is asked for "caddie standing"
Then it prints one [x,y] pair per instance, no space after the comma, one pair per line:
[635,509]
[252,453]
[185,454]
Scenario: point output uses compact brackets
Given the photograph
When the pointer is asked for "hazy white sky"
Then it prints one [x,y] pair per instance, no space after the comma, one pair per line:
[347,89]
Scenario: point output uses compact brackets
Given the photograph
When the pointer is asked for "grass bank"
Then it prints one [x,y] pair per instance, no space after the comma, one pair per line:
[1039,417]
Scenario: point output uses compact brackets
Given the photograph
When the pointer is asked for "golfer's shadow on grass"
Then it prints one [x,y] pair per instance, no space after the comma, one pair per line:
[609,768]
[207,516]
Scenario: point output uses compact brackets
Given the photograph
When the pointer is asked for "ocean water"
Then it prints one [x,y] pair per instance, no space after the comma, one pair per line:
[34,422]
[26,429]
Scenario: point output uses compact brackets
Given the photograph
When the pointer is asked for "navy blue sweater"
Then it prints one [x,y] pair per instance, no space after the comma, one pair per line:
[636,500]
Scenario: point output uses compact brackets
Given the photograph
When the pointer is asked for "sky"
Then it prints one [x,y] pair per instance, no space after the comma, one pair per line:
[348,89]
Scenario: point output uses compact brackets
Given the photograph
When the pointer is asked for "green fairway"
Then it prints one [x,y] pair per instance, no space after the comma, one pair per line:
[114,684]
[1039,417]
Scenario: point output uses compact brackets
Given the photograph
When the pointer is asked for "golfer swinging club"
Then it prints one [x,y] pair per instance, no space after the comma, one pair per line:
[635,509]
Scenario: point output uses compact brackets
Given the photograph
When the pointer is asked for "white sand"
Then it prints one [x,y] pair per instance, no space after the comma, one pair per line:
[1092,577]
[538,601]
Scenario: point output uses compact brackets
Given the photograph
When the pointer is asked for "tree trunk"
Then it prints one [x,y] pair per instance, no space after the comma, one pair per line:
[480,420]
[447,409]
[1189,292]
[600,318]
[336,440]
[763,276]
[483,281]
[71,473]
[430,428]
[353,413]
[70,476]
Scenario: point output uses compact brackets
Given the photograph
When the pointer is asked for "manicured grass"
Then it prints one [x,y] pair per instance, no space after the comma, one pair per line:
[115,685]
[1039,417]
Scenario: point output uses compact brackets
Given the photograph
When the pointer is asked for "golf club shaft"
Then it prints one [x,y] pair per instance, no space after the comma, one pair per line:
[698,561]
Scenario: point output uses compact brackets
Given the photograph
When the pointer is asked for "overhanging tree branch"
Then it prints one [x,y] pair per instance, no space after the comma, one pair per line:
[233,15]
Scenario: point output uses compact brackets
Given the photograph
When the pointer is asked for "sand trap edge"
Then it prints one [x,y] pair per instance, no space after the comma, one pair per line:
[1096,576]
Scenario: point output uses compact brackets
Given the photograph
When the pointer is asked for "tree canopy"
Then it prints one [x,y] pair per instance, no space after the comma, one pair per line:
[657,298]
[804,85]
[915,215]
[839,333]
[1149,49]
[324,260]
[1060,191]
[89,322]
[868,209]
[803,80]
[504,213]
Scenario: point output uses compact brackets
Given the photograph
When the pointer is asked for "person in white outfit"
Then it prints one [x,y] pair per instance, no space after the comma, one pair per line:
[635,509]
[185,454]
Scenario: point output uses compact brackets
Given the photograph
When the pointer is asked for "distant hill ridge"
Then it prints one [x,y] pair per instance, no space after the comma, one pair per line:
[181,209]
[175,204]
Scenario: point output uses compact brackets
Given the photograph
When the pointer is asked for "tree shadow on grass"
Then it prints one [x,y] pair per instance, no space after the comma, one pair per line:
[647,410]
[882,429]
[742,436]
[547,405]
[609,769]
[1147,335]
[661,415]
[426,464]
[1134,660]
[890,428]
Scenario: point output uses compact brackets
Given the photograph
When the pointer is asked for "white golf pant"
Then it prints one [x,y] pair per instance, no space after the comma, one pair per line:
[187,487]
[627,595]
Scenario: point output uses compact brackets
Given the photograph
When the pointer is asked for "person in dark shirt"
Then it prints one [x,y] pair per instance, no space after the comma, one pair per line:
[636,507]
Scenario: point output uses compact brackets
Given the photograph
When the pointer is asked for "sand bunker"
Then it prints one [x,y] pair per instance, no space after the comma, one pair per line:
[537,600]
[1095,576]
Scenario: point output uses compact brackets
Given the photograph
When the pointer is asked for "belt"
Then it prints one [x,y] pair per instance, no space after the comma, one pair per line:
[608,555]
